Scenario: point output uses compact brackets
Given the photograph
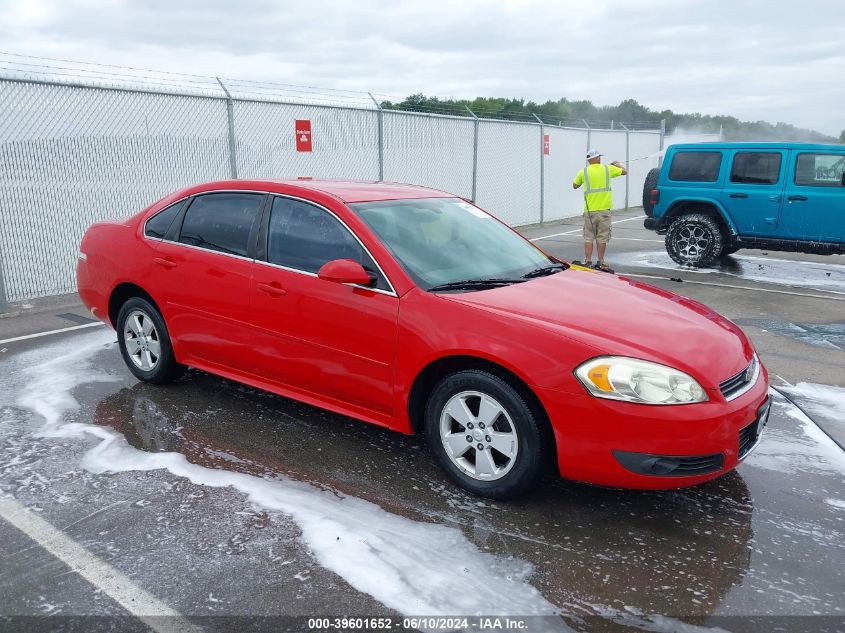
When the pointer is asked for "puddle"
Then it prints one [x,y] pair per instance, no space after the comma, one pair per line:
[413,567]
[371,507]
[827,335]
[815,275]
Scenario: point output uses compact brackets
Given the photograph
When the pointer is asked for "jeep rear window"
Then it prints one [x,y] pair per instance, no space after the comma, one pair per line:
[756,168]
[695,166]
[820,170]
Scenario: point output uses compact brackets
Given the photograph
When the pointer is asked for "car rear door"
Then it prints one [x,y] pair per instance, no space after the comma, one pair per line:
[335,340]
[815,197]
[202,278]
[753,191]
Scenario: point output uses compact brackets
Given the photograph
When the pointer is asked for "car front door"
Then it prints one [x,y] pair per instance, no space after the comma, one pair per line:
[753,191]
[330,339]
[202,278]
[815,197]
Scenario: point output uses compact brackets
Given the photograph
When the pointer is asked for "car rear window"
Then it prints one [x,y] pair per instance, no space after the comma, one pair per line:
[221,222]
[820,170]
[756,168]
[157,225]
[695,166]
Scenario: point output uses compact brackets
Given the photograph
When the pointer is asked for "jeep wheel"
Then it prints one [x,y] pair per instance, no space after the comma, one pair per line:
[694,240]
[650,183]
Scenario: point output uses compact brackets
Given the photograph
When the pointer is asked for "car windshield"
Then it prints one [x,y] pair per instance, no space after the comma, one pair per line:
[446,240]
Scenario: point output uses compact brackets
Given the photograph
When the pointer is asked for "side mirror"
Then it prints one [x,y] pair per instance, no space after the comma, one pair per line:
[345,271]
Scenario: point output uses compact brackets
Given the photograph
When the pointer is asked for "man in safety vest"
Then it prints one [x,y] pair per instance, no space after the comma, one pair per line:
[598,201]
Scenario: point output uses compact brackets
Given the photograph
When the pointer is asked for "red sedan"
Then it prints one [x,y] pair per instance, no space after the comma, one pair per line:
[416,310]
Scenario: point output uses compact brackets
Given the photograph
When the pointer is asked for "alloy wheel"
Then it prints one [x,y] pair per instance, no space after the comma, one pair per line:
[478,435]
[141,339]
[693,241]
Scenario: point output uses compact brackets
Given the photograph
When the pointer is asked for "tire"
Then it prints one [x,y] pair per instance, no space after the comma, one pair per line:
[145,344]
[517,430]
[649,184]
[694,240]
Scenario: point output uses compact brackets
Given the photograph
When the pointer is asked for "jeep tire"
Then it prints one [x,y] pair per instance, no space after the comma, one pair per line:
[694,240]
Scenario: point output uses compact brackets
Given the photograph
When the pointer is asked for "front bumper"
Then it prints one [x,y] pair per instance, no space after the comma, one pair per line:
[596,437]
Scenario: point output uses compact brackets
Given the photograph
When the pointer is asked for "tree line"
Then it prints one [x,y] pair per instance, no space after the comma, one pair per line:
[569,112]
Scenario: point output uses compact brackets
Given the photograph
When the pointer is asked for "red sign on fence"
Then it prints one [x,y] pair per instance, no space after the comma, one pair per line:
[546,144]
[303,135]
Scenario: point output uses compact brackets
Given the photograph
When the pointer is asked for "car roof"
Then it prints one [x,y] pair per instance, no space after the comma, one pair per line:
[345,190]
[758,145]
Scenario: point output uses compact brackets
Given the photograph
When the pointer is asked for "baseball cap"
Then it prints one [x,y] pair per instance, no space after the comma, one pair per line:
[593,154]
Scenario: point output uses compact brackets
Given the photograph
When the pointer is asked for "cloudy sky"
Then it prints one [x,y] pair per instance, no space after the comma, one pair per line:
[777,60]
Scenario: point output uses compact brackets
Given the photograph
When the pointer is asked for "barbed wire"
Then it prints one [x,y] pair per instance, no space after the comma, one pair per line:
[104,75]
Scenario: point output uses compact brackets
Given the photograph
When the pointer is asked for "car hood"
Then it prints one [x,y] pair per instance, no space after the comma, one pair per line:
[619,316]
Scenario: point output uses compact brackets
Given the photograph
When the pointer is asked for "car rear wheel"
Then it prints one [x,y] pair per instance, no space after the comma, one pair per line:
[650,183]
[694,240]
[484,435]
[145,344]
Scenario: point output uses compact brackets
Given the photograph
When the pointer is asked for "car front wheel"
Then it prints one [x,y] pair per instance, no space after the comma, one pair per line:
[694,240]
[145,344]
[485,435]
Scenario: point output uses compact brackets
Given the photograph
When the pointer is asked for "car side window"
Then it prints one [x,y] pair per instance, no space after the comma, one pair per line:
[304,237]
[695,166]
[157,226]
[756,168]
[820,170]
[221,222]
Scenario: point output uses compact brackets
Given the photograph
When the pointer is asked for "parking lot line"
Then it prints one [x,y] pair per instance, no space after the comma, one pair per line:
[154,613]
[545,237]
[49,332]
[711,283]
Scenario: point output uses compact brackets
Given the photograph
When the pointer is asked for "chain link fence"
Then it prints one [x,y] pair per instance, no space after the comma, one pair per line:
[73,154]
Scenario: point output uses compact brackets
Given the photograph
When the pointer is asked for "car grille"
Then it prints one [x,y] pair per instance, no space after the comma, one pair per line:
[739,383]
[699,465]
[750,435]
[747,439]
[670,465]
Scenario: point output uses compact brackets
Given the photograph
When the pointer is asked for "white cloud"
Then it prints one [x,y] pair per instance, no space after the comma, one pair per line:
[752,59]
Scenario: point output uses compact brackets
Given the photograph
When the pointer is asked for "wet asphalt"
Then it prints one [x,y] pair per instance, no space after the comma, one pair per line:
[759,549]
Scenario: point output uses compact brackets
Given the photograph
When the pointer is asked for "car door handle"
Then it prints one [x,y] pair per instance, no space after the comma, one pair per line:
[273,289]
[165,261]
[797,198]
[739,195]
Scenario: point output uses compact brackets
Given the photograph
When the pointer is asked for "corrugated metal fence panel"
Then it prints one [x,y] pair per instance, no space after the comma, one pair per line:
[72,156]
[644,149]
[431,151]
[509,171]
[344,141]
[566,156]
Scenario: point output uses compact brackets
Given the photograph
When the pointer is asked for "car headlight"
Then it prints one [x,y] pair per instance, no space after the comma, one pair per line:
[633,380]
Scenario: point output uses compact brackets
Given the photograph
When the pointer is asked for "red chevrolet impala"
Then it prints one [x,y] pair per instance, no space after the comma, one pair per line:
[415,310]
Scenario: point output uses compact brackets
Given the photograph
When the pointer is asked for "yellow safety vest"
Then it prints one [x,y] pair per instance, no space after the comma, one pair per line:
[598,194]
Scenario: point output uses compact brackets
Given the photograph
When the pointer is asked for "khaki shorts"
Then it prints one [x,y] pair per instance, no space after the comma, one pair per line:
[597,226]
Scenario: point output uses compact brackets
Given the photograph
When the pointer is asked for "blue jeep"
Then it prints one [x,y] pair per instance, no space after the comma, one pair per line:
[712,199]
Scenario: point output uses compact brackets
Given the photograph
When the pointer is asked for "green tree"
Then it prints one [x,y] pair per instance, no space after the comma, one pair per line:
[842,136]
[569,112]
